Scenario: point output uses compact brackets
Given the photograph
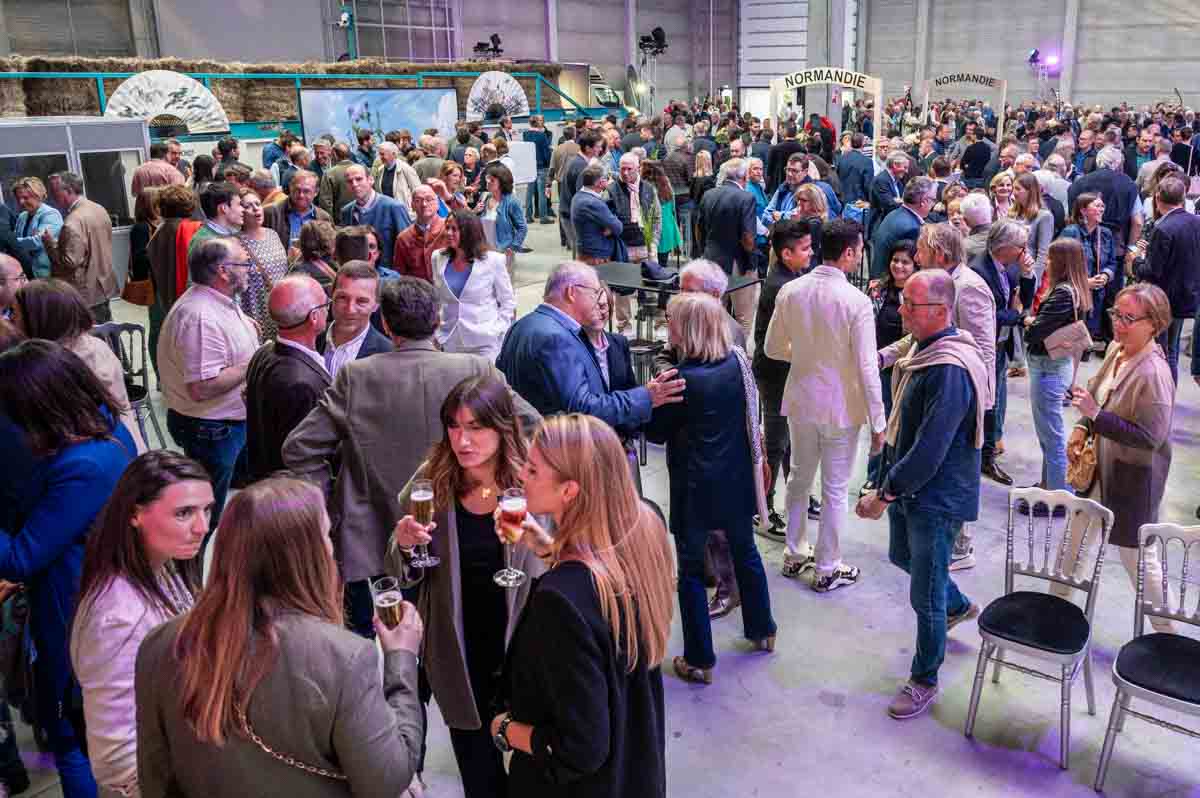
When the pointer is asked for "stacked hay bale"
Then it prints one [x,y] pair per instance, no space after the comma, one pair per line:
[244,100]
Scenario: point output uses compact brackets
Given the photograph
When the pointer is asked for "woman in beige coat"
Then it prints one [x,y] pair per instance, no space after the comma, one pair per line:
[1128,406]
[471,619]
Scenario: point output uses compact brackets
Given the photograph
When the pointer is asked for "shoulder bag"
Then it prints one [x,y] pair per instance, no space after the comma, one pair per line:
[1193,179]
[1081,464]
[1071,340]
[137,292]
[286,759]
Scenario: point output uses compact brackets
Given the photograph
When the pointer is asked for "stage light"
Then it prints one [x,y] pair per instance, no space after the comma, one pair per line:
[1052,60]
[1035,56]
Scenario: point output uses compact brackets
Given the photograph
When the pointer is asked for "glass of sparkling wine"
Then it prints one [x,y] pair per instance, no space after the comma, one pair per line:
[420,506]
[389,603]
[512,515]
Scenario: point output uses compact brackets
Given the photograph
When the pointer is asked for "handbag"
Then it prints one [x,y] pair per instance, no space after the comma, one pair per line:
[1193,179]
[286,759]
[1073,339]
[137,292]
[1081,465]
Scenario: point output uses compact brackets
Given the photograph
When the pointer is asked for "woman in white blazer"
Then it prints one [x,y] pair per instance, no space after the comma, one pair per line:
[476,294]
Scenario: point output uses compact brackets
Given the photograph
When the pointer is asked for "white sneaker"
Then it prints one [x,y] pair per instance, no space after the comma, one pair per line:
[962,561]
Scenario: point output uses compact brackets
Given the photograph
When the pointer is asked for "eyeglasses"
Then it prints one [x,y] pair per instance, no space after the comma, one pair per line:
[598,291]
[1125,319]
[20,278]
[910,305]
[244,264]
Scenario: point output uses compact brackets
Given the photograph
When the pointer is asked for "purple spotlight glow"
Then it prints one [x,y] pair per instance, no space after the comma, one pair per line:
[1052,60]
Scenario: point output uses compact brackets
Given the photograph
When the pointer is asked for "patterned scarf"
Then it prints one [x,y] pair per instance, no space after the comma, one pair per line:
[753,429]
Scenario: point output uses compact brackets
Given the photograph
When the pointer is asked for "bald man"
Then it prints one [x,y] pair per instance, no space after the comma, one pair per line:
[12,277]
[415,245]
[286,378]
[931,488]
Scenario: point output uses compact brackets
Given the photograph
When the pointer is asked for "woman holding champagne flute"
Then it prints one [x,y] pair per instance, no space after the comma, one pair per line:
[582,682]
[478,459]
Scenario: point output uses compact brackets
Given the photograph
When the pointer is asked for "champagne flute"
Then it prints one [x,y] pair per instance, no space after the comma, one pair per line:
[389,603]
[512,516]
[420,506]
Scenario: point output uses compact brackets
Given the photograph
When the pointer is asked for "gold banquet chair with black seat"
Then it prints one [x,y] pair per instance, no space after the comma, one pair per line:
[1160,668]
[1040,625]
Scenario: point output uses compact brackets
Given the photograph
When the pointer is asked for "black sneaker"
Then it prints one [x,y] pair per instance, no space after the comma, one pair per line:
[814,509]
[775,529]
[523,250]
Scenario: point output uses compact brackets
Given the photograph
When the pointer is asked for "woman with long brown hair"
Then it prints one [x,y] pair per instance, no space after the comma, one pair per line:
[1050,378]
[582,682]
[66,450]
[154,521]
[471,618]
[474,289]
[260,689]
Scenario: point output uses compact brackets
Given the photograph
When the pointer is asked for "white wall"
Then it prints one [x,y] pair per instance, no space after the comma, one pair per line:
[675,65]
[228,30]
[891,31]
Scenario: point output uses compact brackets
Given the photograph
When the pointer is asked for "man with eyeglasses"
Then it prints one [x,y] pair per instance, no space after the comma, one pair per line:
[203,351]
[287,217]
[427,234]
[12,277]
[285,379]
[932,486]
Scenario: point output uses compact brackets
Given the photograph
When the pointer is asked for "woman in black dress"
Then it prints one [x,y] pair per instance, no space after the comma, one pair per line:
[582,682]
[478,458]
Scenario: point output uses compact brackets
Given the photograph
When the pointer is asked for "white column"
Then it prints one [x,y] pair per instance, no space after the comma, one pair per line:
[551,30]
[920,50]
[1066,79]
[864,14]
[144,27]
[631,33]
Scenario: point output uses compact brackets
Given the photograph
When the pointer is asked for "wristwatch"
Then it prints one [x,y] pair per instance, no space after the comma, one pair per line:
[501,737]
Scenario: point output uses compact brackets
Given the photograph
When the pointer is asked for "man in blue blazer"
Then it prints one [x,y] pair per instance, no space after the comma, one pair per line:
[887,189]
[597,228]
[350,335]
[855,172]
[920,195]
[389,217]
[548,359]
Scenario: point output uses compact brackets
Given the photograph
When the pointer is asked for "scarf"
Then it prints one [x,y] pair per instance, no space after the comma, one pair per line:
[753,427]
[959,350]
[183,237]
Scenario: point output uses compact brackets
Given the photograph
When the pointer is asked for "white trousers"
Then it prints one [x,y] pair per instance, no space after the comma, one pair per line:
[834,450]
[744,302]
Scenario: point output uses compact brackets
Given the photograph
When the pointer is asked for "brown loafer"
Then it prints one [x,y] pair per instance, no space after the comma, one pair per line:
[720,606]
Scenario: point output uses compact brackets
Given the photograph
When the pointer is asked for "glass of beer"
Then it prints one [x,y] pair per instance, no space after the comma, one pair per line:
[420,507]
[512,516]
[389,603]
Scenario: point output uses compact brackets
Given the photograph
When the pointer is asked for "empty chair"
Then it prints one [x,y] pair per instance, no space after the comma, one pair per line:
[1160,668]
[128,341]
[1041,625]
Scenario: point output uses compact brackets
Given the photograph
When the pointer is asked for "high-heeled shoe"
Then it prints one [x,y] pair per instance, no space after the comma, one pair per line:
[690,673]
[766,644]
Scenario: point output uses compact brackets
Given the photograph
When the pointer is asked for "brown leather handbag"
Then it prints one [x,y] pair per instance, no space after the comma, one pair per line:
[1081,465]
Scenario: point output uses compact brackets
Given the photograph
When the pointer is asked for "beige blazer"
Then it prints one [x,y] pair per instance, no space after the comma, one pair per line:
[83,253]
[825,328]
[404,184]
[322,702]
[444,649]
[379,418]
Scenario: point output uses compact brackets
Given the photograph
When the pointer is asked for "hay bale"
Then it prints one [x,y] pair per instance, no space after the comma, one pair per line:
[61,97]
[12,90]
[232,97]
[268,100]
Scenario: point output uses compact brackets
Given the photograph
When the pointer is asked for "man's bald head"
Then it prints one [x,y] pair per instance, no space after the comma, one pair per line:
[12,277]
[292,301]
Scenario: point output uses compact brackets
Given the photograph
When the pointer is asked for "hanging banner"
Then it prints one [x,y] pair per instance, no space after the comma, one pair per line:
[859,82]
[969,82]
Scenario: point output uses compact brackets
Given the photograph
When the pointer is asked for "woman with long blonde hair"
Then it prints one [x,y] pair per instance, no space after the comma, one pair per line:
[1027,207]
[582,680]
[1050,378]
[471,618]
[260,689]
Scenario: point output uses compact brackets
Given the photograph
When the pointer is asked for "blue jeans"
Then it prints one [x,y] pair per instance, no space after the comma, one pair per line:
[683,217]
[535,197]
[1169,341]
[216,445]
[919,544]
[693,600]
[875,461]
[1049,379]
[993,420]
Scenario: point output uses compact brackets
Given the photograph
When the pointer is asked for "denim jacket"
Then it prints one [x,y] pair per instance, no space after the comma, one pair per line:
[510,223]
[934,466]
[29,237]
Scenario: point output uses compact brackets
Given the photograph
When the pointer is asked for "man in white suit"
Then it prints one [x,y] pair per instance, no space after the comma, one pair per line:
[825,327]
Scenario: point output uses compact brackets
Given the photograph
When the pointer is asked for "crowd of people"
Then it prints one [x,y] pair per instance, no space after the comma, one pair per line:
[336,339]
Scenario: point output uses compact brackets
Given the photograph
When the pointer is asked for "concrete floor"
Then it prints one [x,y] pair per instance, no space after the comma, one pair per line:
[812,715]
